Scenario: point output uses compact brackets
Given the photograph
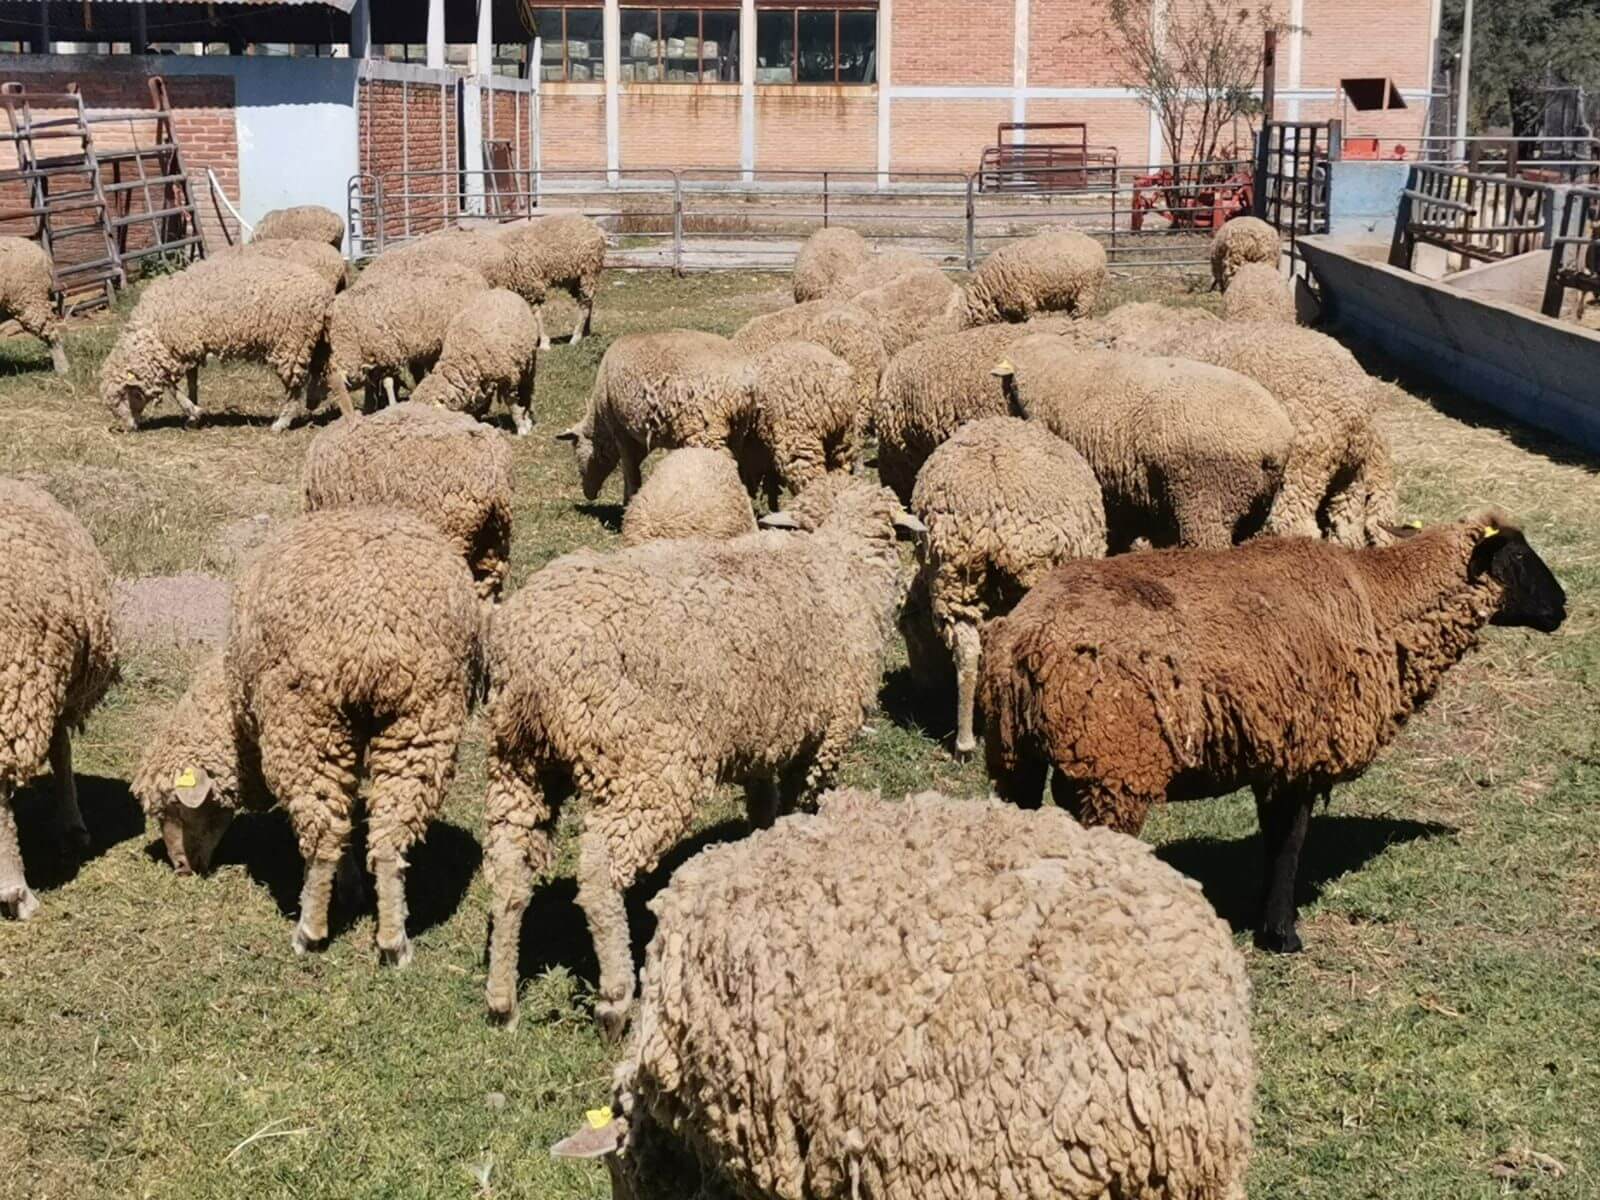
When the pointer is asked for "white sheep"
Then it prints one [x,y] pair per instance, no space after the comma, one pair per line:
[27,295]
[566,250]
[1045,273]
[488,353]
[1258,293]
[1241,240]
[805,415]
[932,999]
[691,493]
[827,257]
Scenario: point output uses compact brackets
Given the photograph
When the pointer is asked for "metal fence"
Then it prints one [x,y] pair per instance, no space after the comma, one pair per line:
[1574,251]
[1148,218]
[1481,218]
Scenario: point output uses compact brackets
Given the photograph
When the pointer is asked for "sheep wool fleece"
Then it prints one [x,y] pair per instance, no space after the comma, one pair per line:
[936,1000]
[444,467]
[58,655]
[641,678]
[488,353]
[691,493]
[1045,273]
[353,643]
[827,257]
[26,282]
[1242,240]
[310,222]
[1258,293]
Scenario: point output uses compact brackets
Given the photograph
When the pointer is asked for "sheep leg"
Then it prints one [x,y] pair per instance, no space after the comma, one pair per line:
[316,894]
[582,326]
[294,408]
[602,904]
[966,650]
[1018,778]
[516,850]
[544,334]
[73,832]
[388,391]
[761,801]
[522,406]
[190,403]
[16,901]
[1285,816]
[1294,509]
[631,481]
[58,355]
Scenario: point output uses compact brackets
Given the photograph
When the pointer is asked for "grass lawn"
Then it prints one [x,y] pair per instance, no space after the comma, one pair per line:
[1439,1038]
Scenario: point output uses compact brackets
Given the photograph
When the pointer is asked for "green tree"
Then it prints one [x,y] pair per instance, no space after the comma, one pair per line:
[1520,46]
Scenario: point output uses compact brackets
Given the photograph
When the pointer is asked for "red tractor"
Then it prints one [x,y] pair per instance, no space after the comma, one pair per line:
[1201,203]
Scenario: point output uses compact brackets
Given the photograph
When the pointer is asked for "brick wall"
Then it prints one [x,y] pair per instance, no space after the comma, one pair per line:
[1124,124]
[203,123]
[409,127]
[809,129]
[943,135]
[572,127]
[947,42]
[1069,45]
[667,126]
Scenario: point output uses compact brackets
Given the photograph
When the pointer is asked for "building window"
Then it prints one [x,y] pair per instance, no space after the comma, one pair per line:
[680,45]
[574,44]
[817,45]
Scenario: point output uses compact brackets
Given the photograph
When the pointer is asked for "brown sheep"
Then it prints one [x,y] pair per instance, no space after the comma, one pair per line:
[1284,665]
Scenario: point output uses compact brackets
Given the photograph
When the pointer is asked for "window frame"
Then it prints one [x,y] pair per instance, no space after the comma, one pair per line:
[566,63]
[661,59]
[838,10]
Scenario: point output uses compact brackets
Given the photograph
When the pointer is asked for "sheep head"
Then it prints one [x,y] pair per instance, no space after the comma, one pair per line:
[1530,595]
[596,457]
[193,820]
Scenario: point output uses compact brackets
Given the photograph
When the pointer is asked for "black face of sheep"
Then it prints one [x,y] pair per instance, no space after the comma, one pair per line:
[1530,595]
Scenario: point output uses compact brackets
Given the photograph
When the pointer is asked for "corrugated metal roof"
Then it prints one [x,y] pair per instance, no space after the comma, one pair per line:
[341,5]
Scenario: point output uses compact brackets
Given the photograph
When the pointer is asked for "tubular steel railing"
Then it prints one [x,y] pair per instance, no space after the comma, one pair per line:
[1150,218]
[1481,218]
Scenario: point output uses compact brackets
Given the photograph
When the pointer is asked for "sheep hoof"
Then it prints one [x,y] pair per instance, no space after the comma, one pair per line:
[304,943]
[18,903]
[1278,941]
[544,343]
[612,1017]
[395,956]
[503,1018]
[965,747]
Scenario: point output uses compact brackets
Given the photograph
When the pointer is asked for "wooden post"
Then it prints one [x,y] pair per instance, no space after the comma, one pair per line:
[1269,76]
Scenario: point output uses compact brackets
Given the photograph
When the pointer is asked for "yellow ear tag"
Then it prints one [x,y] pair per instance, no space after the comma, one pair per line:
[185,778]
[1413,524]
[1489,531]
[598,1118]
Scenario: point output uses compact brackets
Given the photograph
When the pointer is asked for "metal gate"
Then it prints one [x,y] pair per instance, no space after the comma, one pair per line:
[1291,184]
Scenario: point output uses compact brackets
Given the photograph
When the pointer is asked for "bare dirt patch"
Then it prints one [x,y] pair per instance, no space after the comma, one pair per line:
[189,607]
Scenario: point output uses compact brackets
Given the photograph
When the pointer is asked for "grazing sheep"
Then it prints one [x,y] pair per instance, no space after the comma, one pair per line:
[1338,479]
[691,493]
[562,251]
[1258,293]
[1004,502]
[842,328]
[1283,665]
[884,267]
[58,656]
[916,305]
[935,998]
[397,321]
[320,257]
[1046,273]
[930,390]
[640,679]
[27,287]
[308,222]
[239,307]
[352,653]
[488,353]
[827,257]
[1142,323]
[805,416]
[441,466]
[660,391]
[1242,240]
[1186,453]
[479,250]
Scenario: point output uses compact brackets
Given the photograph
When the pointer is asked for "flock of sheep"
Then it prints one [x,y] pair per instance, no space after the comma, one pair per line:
[1156,553]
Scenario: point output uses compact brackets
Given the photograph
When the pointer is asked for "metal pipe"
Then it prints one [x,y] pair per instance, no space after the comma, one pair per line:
[1464,81]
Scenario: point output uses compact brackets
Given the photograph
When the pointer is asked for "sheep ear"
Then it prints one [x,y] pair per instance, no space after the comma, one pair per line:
[1003,369]
[909,523]
[192,786]
[601,1134]
[1401,531]
[567,435]
[778,520]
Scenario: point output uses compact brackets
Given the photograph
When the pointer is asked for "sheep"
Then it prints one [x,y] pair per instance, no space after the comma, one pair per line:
[310,222]
[488,352]
[1338,479]
[1284,665]
[318,256]
[1049,272]
[395,321]
[935,998]
[1142,323]
[1186,453]
[930,390]
[805,416]
[843,328]
[353,651]
[479,250]
[1242,240]
[567,251]
[642,678]
[27,288]
[661,391]
[58,656]
[884,267]
[246,306]
[1258,293]
[916,305]
[441,466]
[826,258]
[691,493]
[1004,502]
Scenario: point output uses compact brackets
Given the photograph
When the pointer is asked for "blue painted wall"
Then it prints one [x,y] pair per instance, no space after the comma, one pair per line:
[1363,198]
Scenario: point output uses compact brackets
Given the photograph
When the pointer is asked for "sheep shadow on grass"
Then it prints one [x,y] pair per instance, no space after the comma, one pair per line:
[555,934]
[918,707]
[109,810]
[1231,871]
[608,515]
[440,870]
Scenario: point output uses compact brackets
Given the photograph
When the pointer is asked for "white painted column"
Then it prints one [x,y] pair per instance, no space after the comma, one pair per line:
[436,33]
[1157,149]
[1297,49]
[747,89]
[480,65]
[885,85]
[612,27]
[1019,65]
